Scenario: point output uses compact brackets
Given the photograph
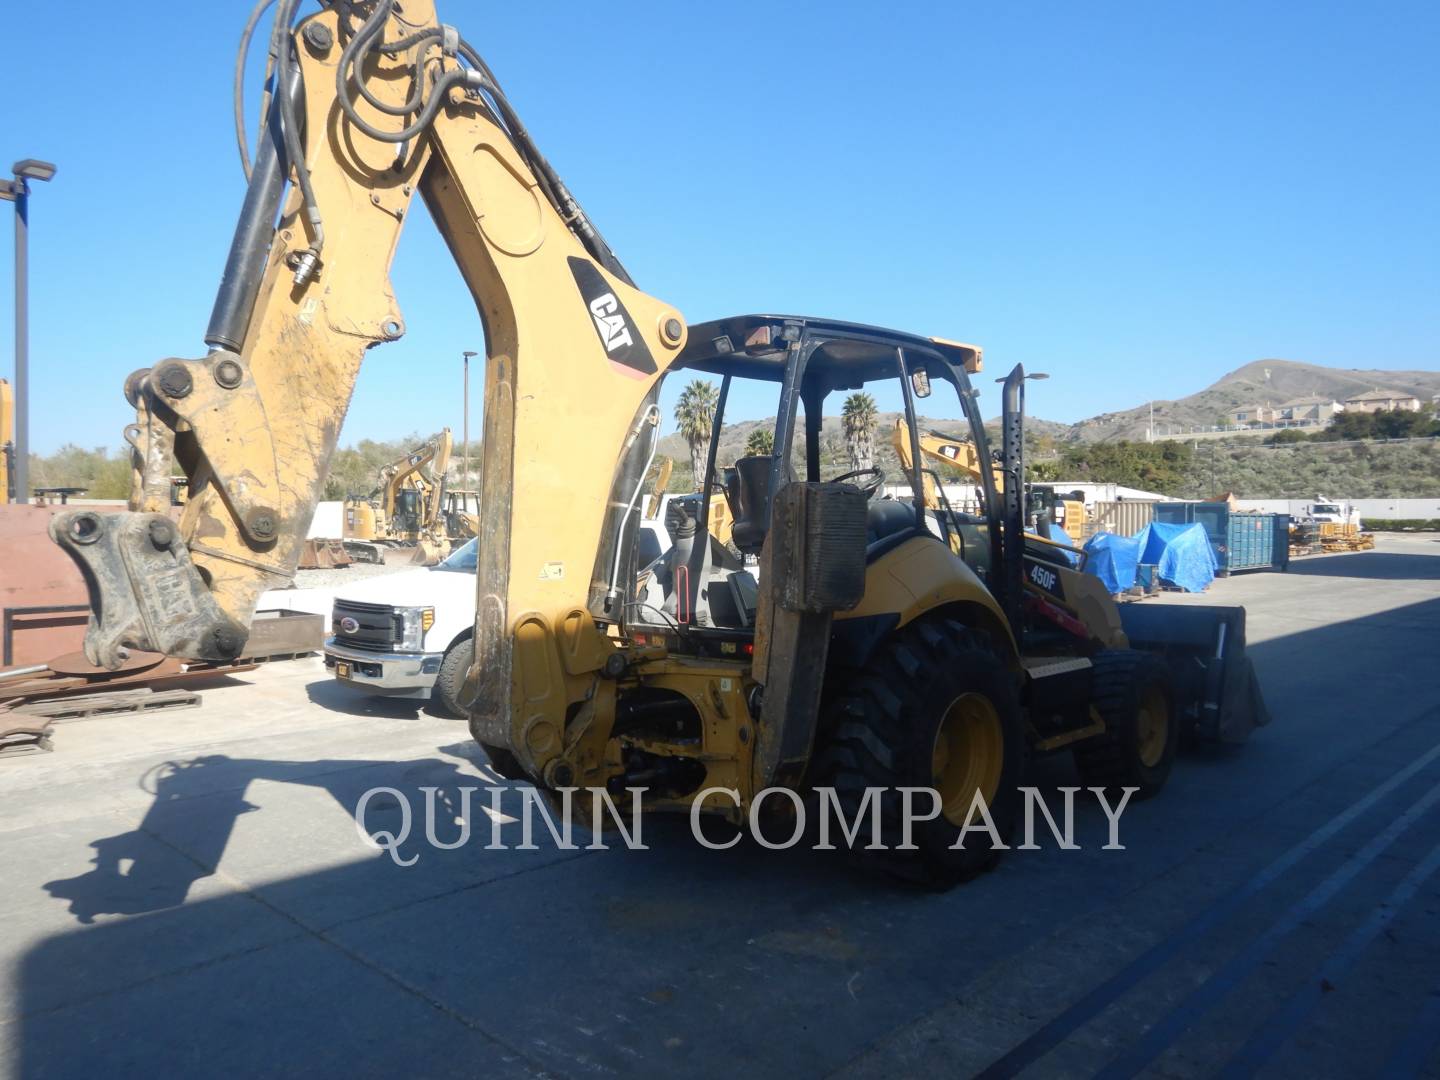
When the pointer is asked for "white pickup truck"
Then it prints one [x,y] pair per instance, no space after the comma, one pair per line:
[408,635]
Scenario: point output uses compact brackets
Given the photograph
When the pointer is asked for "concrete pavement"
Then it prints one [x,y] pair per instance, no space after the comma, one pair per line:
[188,894]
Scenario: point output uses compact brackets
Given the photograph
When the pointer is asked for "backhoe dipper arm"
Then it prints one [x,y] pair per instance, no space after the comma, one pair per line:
[368,114]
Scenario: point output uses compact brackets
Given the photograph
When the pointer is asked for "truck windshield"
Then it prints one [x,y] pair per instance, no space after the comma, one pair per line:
[462,560]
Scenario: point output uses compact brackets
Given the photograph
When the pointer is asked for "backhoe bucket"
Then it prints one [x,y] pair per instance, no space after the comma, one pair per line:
[1215,684]
[425,553]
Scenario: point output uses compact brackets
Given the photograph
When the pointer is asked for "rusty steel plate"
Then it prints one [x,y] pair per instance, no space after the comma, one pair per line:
[75,664]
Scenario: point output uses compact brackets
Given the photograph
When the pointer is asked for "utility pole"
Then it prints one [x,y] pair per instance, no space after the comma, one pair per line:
[465,478]
[18,192]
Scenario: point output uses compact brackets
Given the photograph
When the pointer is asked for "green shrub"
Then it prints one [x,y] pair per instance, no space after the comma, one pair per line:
[1402,524]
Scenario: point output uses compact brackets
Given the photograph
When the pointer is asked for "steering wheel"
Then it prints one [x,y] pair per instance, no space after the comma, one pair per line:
[871,486]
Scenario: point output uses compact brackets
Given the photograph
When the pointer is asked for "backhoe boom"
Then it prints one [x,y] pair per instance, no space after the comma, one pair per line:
[571,346]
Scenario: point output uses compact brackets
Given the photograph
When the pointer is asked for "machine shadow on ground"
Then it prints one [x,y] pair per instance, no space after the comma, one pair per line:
[331,695]
[1378,565]
[572,961]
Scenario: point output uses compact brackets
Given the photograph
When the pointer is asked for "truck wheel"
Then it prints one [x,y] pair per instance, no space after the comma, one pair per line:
[934,708]
[1134,696]
[447,689]
[452,676]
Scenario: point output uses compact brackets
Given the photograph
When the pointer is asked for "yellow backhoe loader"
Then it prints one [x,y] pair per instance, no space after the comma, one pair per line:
[461,515]
[1044,506]
[405,514]
[1065,509]
[959,453]
[657,479]
[864,657]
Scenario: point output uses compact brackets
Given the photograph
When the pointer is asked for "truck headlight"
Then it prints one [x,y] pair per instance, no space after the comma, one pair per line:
[414,621]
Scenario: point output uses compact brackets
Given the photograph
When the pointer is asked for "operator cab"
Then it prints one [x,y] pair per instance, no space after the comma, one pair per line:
[810,380]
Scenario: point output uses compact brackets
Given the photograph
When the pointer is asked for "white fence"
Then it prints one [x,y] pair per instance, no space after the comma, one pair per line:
[1368,508]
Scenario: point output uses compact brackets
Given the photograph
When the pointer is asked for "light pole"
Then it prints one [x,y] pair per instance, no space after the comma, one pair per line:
[18,192]
[465,480]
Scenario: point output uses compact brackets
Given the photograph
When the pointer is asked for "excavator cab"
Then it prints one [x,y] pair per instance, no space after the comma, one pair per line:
[406,518]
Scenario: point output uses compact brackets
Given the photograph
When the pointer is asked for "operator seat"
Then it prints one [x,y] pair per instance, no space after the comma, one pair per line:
[1045,529]
[747,490]
[888,524]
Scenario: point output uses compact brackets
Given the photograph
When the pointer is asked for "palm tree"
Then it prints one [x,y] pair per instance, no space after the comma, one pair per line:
[859,418]
[761,441]
[695,415]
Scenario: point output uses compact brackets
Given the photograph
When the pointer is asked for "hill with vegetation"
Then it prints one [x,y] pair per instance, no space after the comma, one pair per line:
[1263,382]
[1365,469]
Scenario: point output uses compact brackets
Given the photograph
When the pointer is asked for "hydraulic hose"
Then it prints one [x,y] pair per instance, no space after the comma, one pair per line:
[241,136]
[287,93]
[360,42]
[291,88]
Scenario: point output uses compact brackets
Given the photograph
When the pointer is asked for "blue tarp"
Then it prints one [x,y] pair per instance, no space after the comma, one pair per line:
[1181,554]
[1113,559]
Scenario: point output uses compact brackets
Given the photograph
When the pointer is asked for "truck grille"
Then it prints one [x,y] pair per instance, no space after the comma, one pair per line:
[378,630]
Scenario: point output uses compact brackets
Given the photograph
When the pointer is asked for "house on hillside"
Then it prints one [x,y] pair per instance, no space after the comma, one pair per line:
[1246,415]
[1299,412]
[1312,410]
[1382,401]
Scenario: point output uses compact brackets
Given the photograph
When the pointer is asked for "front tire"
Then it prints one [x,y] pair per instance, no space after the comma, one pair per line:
[453,667]
[935,708]
[1134,696]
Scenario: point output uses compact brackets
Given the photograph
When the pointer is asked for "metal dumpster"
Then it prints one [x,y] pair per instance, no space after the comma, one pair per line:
[1241,541]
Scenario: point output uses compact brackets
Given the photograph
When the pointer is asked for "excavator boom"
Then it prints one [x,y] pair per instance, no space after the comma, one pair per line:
[422,470]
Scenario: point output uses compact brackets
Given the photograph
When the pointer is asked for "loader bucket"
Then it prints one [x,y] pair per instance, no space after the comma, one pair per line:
[1215,685]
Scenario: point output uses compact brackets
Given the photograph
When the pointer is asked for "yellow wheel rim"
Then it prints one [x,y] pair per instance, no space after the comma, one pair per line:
[968,756]
[1152,727]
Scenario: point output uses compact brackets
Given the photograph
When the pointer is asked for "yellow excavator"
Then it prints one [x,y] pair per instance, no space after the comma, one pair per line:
[405,514]
[865,656]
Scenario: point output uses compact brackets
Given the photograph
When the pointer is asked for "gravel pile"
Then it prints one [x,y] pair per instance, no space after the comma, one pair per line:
[346,575]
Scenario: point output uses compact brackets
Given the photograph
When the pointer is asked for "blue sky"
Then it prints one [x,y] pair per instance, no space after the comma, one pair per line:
[1135,198]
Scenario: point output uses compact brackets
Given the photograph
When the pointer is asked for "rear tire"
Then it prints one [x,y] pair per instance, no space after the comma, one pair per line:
[935,707]
[1133,694]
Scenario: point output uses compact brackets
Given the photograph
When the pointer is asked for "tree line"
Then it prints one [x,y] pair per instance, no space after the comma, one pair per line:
[105,474]
[1168,467]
